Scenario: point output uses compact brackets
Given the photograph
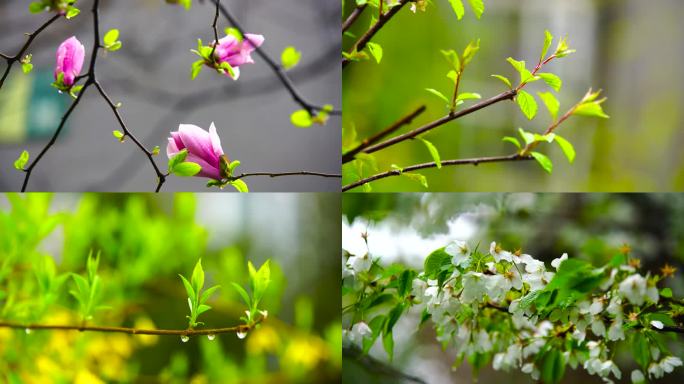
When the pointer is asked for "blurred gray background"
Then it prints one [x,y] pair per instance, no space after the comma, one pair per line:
[150,75]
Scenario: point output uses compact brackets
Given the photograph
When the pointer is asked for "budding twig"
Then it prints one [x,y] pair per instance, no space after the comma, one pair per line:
[363,40]
[275,67]
[91,79]
[31,36]
[132,331]
[445,163]
[353,17]
[278,174]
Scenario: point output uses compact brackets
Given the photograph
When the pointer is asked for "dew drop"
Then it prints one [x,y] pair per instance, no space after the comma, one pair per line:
[211,336]
[28,331]
[185,338]
[60,92]
[241,335]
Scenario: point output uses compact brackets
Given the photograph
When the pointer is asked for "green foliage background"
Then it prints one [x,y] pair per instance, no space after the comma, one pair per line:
[145,242]
[630,49]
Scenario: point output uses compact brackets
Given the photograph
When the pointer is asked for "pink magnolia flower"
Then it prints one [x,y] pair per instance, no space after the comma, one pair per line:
[70,56]
[204,148]
[237,53]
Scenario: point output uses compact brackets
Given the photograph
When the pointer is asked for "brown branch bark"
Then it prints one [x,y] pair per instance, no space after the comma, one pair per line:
[445,163]
[353,17]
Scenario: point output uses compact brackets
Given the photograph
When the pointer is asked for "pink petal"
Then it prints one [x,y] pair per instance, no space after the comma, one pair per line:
[171,148]
[198,142]
[215,140]
[209,170]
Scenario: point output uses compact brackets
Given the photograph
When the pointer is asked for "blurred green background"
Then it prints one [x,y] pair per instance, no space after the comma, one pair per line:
[632,49]
[146,241]
[405,228]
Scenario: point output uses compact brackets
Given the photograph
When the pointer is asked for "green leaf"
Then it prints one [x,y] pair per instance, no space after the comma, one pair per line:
[375,50]
[188,288]
[469,52]
[551,80]
[207,294]
[155,150]
[666,292]
[186,169]
[438,94]
[552,367]
[519,66]
[111,37]
[527,136]
[118,135]
[26,67]
[468,96]
[196,68]
[202,308]
[504,79]
[527,104]
[452,58]
[548,39]
[289,58]
[36,7]
[301,118]
[239,185]
[566,147]
[513,141]
[72,12]
[20,163]
[388,343]
[478,7]
[197,278]
[433,152]
[551,103]
[544,161]
[641,350]
[243,294]
[591,109]
[178,158]
[435,262]
[114,47]
[417,178]
[457,6]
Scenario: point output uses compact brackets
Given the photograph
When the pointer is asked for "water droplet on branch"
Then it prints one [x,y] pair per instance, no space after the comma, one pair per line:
[241,334]
[185,338]
[28,331]
[211,336]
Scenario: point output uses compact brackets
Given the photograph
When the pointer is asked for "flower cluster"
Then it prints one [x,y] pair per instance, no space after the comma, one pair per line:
[509,309]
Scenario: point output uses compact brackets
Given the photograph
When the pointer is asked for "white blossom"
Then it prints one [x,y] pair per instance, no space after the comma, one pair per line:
[657,324]
[615,331]
[635,289]
[458,250]
[360,263]
[474,287]
[557,262]
[638,377]
[666,365]
[358,332]
[498,253]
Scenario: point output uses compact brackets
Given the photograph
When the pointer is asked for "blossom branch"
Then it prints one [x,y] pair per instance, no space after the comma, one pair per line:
[213,26]
[132,331]
[31,36]
[279,174]
[508,95]
[349,156]
[472,161]
[91,79]
[363,40]
[275,67]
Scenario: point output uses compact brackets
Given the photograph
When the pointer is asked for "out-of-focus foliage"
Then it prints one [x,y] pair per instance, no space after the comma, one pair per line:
[145,241]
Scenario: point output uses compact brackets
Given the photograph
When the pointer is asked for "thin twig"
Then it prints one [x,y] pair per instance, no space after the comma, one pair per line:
[213,26]
[275,67]
[161,177]
[363,40]
[91,79]
[132,331]
[31,36]
[444,163]
[278,174]
[349,156]
[353,17]
[508,95]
